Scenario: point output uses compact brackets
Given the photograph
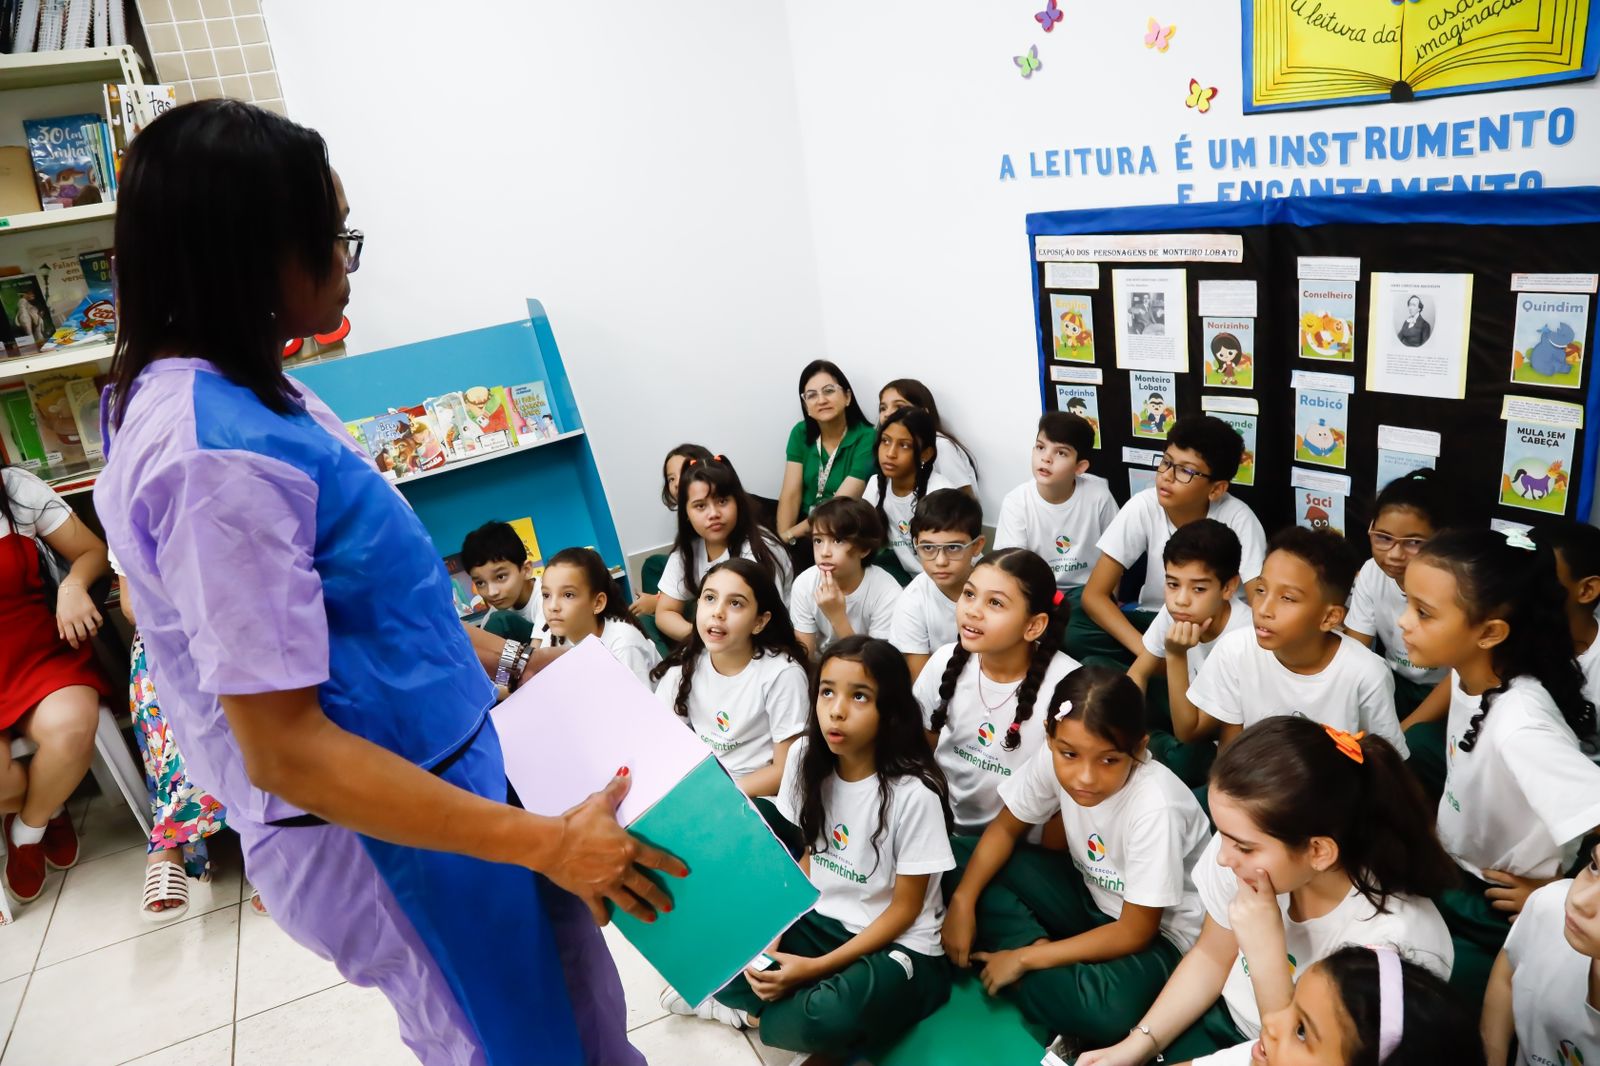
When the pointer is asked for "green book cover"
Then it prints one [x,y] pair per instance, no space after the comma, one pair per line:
[22,428]
[743,889]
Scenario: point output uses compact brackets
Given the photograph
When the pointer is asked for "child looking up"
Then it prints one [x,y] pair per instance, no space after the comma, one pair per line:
[865,962]
[843,593]
[905,475]
[1545,986]
[716,520]
[1084,951]
[1060,513]
[1518,792]
[496,559]
[1323,840]
[979,695]
[947,531]
[1295,661]
[1201,457]
[650,573]
[954,462]
[1577,552]
[1202,565]
[738,679]
[582,599]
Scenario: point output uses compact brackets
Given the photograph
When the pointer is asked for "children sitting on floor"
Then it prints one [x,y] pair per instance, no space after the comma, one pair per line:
[582,599]
[496,559]
[947,532]
[843,593]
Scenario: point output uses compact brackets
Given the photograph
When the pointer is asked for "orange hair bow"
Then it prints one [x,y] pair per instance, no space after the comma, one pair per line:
[1349,743]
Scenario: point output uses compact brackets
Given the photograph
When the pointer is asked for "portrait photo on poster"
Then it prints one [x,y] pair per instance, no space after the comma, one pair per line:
[1549,339]
[1417,334]
[1152,331]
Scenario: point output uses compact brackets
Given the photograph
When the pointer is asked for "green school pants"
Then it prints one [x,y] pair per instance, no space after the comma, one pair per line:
[1478,932]
[1084,638]
[1426,761]
[875,998]
[1041,895]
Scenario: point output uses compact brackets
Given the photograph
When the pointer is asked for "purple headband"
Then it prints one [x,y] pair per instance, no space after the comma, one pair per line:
[1391,1002]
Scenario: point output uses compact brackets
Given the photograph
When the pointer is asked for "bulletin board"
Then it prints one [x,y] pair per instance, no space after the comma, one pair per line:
[1503,281]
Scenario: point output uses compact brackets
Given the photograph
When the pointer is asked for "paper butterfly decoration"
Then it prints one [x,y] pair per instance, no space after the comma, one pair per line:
[1049,16]
[1029,62]
[1158,36]
[1200,97]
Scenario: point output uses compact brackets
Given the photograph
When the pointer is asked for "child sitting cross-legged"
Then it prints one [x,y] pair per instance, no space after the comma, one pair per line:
[582,599]
[947,532]
[843,594]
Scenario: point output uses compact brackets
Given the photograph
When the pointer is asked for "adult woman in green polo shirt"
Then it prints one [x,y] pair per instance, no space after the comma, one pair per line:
[830,451]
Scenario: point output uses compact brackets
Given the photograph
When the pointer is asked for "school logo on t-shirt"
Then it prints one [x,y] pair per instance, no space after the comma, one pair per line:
[1097,848]
[904,527]
[841,836]
[986,734]
[1244,963]
[1063,544]
[1571,1054]
[723,720]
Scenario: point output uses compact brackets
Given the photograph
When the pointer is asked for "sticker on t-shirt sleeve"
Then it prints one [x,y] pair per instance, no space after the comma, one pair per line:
[904,960]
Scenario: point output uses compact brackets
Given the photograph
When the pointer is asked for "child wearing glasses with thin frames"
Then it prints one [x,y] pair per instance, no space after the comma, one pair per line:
[947,533]
[1060,513]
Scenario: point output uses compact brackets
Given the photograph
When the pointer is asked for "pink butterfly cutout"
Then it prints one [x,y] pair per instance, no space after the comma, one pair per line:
[1049,16]
[1158,36]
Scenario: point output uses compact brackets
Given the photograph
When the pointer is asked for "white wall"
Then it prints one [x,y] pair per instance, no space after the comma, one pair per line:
[617,164]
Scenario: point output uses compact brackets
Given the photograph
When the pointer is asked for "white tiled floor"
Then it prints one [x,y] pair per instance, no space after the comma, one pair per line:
[85,982]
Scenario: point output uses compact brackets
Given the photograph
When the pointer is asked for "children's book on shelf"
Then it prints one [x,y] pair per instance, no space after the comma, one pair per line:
[457,431]
[391,444]
[21,428]
[427,443]
[489,410]
[94,316]
[60,273]
[534,407]
[58,428]
[129,109]
[68,155]
[358,431]
[468,602]
[29,327]
[530,540]
[83,396]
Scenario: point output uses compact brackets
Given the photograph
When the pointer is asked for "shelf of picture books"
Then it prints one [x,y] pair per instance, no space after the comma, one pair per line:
[50,424]
[469,604]
[460,429]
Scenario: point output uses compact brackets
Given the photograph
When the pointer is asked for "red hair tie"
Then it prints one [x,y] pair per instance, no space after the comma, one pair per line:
[1349,743]
[719,458]
[1015,727]
[1059,597]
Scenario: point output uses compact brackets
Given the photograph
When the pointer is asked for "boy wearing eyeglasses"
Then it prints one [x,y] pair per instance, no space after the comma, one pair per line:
[947,534]
[1201,457]
[1060,513]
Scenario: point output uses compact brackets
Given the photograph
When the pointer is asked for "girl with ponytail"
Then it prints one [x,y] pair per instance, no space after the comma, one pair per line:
[982,697]
[1519,794]
[581,599]
[1323,839]
[906,455]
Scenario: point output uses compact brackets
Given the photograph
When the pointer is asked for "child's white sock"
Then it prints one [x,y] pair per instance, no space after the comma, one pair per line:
[23,834]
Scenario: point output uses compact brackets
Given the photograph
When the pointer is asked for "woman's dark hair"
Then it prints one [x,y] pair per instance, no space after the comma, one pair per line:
[1038,584]
[1297,782]
[919,424]
[669,500]
[917,394]
[1435,1026]
[776,637]
[853,521]
[1497,579]
[852,410]
[722,482]
[218,173]
[1419,491]
[598,577]
[899,750]
[1106,701]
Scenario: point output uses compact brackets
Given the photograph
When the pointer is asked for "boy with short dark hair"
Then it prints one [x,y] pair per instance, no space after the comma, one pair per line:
[843,594]
[496,559]
[1201,457]
[947,534]
[1295,660]
[1061,512]
[1576,546]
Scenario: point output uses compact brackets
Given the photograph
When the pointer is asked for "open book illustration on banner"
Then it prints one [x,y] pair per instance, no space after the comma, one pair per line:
[1305,53]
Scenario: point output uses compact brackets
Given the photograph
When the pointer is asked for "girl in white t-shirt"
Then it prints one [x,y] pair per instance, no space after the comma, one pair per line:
[865,962]
[905,452]
[1084,940]
[979,696]
[582,599]
[954,462]
[654,565]
[716,520]
[1519,794]
[1323,839]
[738,679]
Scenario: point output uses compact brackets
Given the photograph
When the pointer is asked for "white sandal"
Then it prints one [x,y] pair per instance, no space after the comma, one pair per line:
[165,882]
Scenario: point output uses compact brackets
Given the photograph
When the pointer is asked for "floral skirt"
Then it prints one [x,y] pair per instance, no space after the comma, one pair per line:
[184,814]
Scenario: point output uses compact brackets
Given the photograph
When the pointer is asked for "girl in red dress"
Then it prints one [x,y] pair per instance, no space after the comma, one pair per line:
[51,688]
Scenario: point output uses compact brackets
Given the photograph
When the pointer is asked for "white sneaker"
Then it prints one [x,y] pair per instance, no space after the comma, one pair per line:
[710,1010]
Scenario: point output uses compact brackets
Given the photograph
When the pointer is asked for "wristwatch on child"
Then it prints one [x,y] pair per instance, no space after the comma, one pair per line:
[508,658]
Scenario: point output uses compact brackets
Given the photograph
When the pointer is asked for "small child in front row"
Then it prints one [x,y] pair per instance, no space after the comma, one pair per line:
[582,599]
[1201,457]
[1059,513]
[906,452]
[496,559]
[947,531]
[1295,660]
[1323,840]
[981,696]
[1545,986]
[843,593]
[1085,951]
[1519,794]
[865,962]
[1577,553]
[740,680]
[1202,565]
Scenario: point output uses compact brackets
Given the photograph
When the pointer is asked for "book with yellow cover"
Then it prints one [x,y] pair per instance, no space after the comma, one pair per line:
[1322,53]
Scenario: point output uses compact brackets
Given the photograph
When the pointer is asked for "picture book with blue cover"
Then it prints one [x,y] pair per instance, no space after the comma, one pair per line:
[67,154]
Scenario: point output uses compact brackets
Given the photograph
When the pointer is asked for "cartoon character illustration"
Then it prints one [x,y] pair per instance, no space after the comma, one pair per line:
[1552,355]
[430,452]
[488,415]
[1324,334]
[1530,487]
[1321,439]
[1155,415]
[1077,406]
[1317,518]
[1228,357]
[1074,331]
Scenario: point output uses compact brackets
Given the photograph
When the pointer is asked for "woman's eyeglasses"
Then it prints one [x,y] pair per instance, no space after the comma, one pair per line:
[827,392]
[350,242]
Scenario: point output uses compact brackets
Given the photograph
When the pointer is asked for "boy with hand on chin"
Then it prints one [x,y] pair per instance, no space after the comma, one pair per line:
[947,533]
[1201,457]
[843,594]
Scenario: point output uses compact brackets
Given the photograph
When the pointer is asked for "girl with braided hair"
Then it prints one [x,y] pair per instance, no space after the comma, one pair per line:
[1519,794]
[906,458]
[739,680]
[983,697]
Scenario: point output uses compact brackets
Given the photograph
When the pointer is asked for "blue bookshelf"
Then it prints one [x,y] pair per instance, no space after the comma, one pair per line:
[555,482]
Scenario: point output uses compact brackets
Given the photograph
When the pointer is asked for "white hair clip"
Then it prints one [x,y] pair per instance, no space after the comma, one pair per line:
[1064,710]
[1516,538]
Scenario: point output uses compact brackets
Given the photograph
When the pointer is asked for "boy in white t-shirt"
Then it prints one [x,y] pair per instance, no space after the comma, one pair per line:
[1545,986]
[947,532]
[1577,550]
[1061,512]
[1202,566]
[843,594]
[1201,457]
[496,559]
[1295,661]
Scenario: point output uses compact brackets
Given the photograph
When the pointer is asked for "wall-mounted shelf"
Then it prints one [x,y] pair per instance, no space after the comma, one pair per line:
[60,359]
[458,464]
[34,70]
[67,216]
